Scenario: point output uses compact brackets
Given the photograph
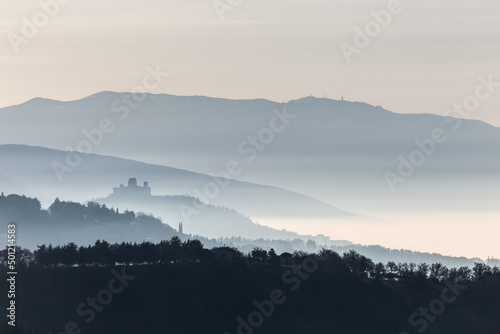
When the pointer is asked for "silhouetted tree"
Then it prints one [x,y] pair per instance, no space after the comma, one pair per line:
[273,257]
[102,253]
[379,271]
[259,254]
[41,255]
[438,272]
[69,254]
[480,271]
[460,274]
[392,270]
[175,248]
[359,264]
[193,250]
[422,271]
[22,257]
[286,259]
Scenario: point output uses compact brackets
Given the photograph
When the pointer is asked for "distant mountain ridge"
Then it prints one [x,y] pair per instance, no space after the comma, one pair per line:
[336,151]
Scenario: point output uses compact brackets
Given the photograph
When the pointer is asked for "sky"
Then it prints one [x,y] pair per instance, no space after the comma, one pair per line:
[426,58]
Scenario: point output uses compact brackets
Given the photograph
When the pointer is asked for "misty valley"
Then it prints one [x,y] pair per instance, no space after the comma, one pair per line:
[249,167]
[196,214]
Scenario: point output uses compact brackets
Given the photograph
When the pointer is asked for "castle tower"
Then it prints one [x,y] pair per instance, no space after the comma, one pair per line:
[132,182]
[180,229]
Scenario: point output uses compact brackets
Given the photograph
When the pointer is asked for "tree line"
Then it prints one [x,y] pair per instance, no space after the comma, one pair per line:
[174,251]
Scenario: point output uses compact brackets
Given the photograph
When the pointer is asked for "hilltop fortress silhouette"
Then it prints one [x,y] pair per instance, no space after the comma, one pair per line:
[133,189]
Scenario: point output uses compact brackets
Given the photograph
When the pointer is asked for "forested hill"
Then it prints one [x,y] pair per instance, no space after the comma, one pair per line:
[68,221]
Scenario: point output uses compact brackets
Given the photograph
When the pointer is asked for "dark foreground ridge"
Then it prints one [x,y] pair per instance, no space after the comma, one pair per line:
[181,287]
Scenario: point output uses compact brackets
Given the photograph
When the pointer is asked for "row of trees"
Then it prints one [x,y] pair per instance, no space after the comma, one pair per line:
[364,267]
[174,250]
[103,253]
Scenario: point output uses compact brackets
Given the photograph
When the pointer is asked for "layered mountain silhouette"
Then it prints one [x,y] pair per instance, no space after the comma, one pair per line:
[337,151]
[28,170]
[329,154]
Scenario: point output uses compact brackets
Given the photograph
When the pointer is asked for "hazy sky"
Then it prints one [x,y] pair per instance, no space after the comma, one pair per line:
[425,60]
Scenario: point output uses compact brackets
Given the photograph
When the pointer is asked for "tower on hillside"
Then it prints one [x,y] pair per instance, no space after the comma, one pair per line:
[180,229]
